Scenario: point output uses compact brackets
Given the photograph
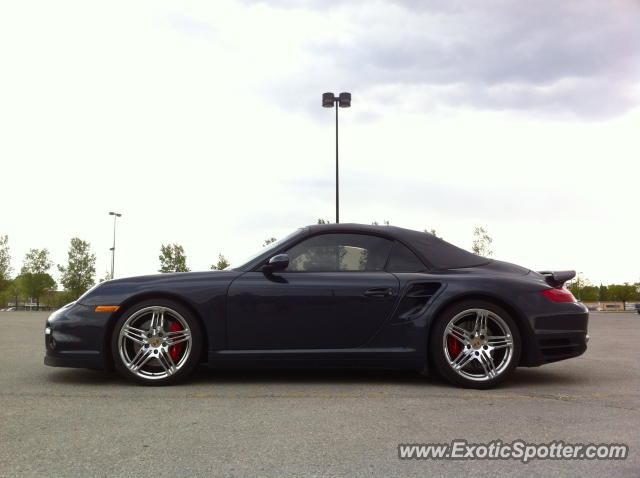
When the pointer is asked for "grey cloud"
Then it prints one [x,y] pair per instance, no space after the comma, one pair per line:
[574,57]
[325,5]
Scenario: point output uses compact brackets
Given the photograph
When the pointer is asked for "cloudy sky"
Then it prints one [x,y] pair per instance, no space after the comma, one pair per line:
[201,123]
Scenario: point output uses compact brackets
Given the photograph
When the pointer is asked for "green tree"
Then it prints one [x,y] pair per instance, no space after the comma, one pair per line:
[323,221]
[37,261]
[5,263]
[603,293]
[578,286]
[79,274]
[590,293]
[584,291]
[268,241]
[12,293]
[622,292]
[481,242]
[432,232]
[35,277]
[58,298]
[15,290]
[384,223]
[222,263]
[172,258]
[105,277]
[35,286]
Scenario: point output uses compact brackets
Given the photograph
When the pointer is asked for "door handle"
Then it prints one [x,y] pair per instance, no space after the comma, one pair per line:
[379,292]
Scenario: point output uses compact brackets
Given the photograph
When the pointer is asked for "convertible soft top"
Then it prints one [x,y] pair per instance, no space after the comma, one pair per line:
[433,251]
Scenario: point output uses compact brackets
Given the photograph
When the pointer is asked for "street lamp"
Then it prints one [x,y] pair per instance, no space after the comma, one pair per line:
[343,101]
[113,249]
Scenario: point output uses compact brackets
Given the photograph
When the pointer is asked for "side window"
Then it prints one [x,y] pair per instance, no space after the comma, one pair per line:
[403,260]
[339,252]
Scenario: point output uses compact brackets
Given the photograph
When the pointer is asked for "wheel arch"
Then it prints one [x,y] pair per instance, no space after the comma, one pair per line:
[524,327]
[134,299]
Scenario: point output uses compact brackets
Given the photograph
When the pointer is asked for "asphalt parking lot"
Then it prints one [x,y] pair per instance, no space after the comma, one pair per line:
[71,422]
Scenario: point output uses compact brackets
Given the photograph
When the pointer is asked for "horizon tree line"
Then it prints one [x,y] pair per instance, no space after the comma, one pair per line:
[35,282]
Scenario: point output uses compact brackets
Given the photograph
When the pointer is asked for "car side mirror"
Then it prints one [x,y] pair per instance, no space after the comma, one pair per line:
[278,262]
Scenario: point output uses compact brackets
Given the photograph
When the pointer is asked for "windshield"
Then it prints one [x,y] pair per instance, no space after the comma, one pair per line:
[269,247]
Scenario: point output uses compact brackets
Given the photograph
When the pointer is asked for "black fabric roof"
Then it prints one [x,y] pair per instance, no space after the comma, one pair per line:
[435,252]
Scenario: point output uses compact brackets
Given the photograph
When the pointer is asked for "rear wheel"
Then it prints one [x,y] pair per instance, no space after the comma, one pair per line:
[156,342]
[475,344]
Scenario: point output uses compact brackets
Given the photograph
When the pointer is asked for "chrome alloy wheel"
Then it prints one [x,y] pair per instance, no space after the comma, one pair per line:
[478,344]
[155,342]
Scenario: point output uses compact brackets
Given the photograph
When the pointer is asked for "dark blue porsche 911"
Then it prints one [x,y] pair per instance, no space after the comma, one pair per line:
[329,295]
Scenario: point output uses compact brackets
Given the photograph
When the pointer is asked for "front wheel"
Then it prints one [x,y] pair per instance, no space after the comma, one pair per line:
[475,344]
[156,342]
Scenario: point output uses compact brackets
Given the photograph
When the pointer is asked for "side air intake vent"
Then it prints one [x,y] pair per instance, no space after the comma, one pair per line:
[416,299]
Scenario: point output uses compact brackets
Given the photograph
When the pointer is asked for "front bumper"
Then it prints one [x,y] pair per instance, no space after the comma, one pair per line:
[85,361]
[75,337]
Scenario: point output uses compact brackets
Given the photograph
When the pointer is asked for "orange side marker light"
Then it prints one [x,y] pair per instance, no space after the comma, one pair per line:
[106,308]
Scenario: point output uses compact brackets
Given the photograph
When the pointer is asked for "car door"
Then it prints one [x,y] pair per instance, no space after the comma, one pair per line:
[334,294]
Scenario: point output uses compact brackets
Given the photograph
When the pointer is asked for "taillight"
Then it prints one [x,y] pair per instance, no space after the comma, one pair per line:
[558,295]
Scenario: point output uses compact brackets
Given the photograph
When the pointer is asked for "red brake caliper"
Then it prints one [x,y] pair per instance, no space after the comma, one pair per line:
[454,346]
[175,350]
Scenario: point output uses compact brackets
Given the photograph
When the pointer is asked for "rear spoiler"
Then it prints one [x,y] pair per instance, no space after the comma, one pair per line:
[557,278]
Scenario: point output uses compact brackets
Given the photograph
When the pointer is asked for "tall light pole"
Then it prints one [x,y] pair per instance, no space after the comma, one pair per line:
[343,101]
[113,249]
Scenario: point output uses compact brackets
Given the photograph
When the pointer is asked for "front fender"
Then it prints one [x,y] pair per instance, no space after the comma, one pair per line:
[202,292]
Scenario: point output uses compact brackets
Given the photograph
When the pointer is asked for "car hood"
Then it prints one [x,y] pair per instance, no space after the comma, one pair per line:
[120,288]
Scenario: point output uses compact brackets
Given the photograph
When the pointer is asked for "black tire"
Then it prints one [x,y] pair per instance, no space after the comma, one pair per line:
[438,352]
[192,349]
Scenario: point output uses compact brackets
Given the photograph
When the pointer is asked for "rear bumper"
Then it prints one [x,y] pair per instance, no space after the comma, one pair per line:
[561,346]
[558,337]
